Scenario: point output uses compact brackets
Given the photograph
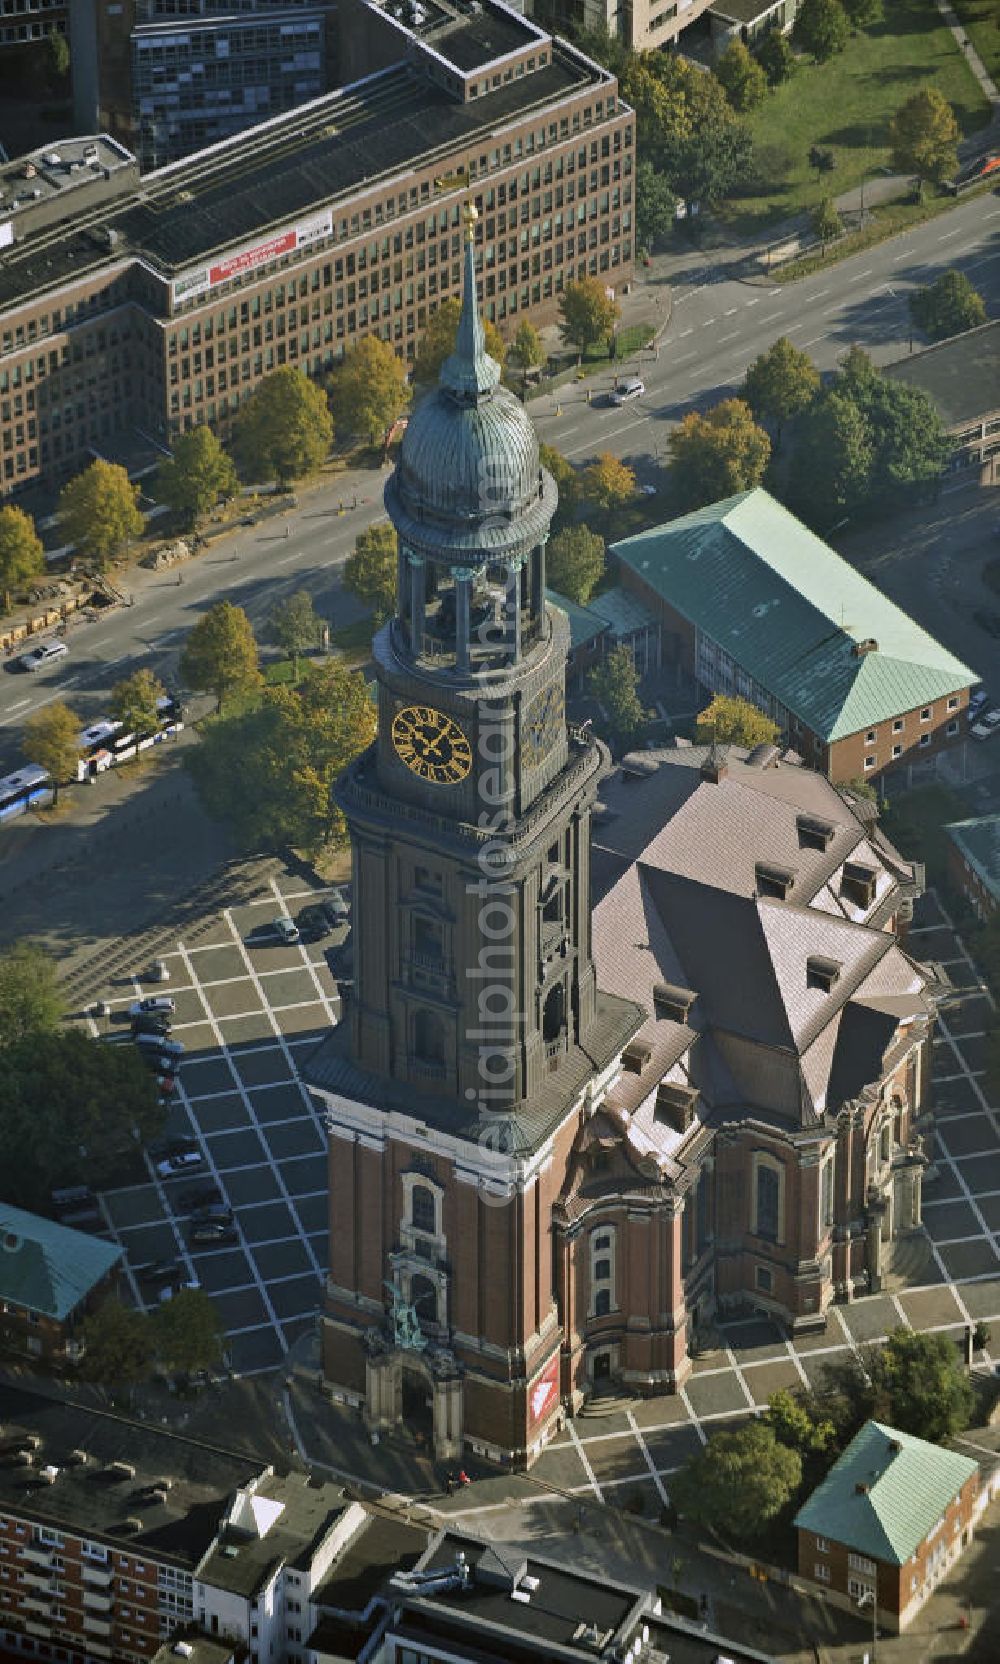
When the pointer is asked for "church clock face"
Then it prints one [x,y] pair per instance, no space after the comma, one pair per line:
[431,745]
[544,722]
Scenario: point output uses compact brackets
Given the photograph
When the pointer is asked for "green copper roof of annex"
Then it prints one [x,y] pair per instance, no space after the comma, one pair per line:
[793,614]
[48,1268]
[886,1492]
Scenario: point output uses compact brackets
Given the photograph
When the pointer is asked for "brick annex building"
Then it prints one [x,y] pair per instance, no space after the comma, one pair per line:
[133,309]
[561,1135]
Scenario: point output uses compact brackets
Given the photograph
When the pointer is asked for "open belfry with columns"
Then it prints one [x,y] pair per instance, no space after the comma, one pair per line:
[628,1048]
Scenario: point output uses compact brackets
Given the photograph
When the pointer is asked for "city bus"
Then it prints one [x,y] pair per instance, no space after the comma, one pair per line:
[105,744]
[30,788]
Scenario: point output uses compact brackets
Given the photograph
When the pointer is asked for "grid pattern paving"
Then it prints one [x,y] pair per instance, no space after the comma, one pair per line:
[248,1010]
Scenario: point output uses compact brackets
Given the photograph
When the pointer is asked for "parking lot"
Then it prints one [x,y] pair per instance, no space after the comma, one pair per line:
[248,1010]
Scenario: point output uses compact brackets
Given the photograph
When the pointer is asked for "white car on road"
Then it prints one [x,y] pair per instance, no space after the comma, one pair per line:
[44,654]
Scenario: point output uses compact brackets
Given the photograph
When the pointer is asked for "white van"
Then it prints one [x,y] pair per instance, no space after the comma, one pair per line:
[630,388]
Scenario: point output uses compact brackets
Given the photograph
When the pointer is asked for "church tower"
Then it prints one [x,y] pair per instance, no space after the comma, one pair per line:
[475,1035]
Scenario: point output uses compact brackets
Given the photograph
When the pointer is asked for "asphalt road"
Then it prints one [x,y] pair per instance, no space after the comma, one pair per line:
[719,322]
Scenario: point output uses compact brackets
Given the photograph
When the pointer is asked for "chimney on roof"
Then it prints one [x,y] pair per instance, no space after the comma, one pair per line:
[715,766]
[895,1448]
[869,645]
[861,1489]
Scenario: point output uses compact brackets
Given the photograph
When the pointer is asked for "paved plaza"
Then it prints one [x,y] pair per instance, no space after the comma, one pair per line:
[250,1010]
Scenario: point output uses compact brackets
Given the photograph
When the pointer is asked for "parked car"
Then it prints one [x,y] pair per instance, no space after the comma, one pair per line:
[157,1271]
[213,1211]
[167,1084]
[183,1162]
[212,1233]
[977,699]
[312,924]
[171,1146]
[199,1196]
[44,654]
[75,1205]
[286,930]
[987,724]
[151,1004]
[160,1043]
[335,909]
[151,1022]
[160,1062]
[180,1286]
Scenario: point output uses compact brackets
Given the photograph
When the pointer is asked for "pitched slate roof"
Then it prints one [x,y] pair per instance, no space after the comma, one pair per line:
[979,842]
[886,1492]
[792,614]
[48,1268]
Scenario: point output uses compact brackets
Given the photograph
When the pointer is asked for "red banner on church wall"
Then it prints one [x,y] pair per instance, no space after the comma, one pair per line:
[544,1393]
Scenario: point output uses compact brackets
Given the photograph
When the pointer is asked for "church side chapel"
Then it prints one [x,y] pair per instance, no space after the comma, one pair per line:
[629,1048]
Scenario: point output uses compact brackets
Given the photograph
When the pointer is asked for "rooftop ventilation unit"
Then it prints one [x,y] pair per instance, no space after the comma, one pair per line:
[676,1105]
[121,1470]
[813,833]
[182,1649]
[869,645]
[49,1474]
[635,1056]
[672,1002]
[773,881]
[131,1524]
[77,1459]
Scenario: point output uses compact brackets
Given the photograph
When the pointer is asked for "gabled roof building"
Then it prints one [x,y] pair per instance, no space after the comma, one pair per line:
[888,1522]
[752,603]
[51,1277]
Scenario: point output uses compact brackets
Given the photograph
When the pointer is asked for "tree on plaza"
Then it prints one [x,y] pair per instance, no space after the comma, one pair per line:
[615,685]
[220,654]
[607,484]
[825,221]
[270,773]
[21,554]
[793,1422]
[733,721]
[780,384]
[822,27]
[72,1111]
[567,482]
[919,1384]
[134,702]
[52,739]
[718,454]
[285,430]
[368,390]
[30,1002]
[655,205]
[187,1333]
[438,341]
[740,1481]
[864,14]
[370,572]
[587,315]
[296,626]
[742,77]
[775,56]
[832,463]
[197,474]
[575,562]
[948,306]
[529,348]
[98,511]
[119,1346]
[923,135]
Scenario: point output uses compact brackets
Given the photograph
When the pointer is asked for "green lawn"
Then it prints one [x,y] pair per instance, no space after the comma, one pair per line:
[846,105]
[981,19]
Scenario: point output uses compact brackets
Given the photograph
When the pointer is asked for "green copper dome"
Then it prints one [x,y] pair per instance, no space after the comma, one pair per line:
[469,478]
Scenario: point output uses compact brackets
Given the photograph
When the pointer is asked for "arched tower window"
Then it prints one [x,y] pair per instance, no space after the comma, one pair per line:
[768,1198]
[428,1037]
[423,1209]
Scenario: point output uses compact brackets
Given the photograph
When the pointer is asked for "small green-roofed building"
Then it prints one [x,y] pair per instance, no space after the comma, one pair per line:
[751,602]
[588,636]
[974,861]
[891,1515]
[50,1277]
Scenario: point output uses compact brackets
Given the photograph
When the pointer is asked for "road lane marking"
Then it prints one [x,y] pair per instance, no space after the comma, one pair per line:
[754,302]
[815,338]
[20,705]
[731,313]
[724,338]
[946,235]
[684,332]
[820,294]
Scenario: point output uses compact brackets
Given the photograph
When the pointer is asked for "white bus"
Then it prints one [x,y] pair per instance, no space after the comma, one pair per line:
[105,743]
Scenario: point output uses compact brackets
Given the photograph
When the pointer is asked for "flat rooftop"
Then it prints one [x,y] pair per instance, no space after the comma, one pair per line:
[56,169]
[979,842]
[321,155]
[467,33]
[91,1496]
[303,1512]
[961,376]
